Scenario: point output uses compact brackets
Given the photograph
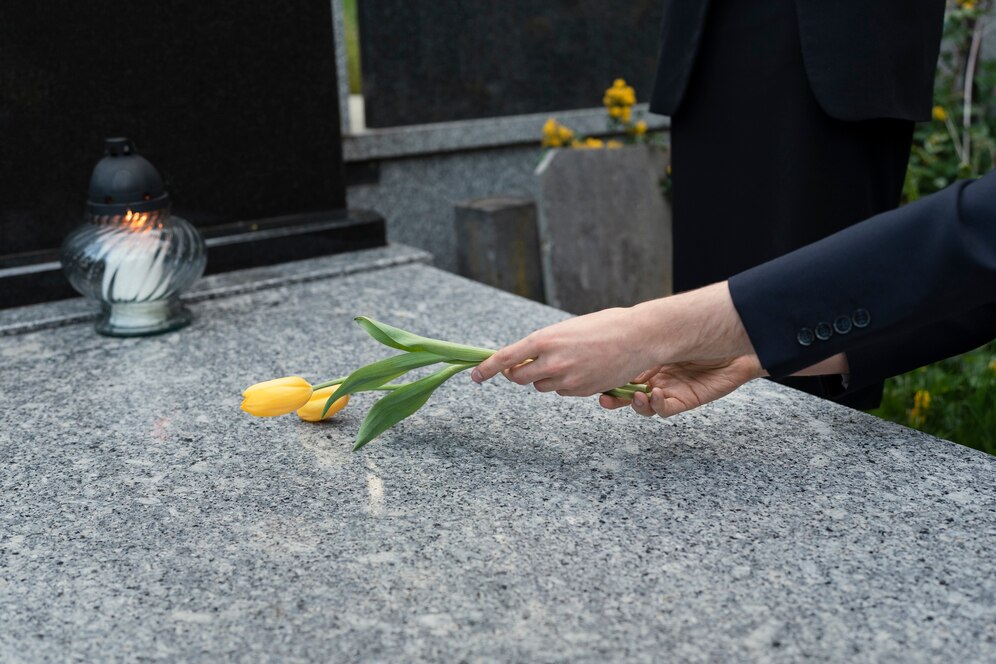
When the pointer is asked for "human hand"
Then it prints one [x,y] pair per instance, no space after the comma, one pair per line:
[576,357]
[600,351]
[686,385]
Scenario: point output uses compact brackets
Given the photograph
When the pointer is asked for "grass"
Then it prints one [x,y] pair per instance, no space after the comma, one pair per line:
[353,47]
[953,399]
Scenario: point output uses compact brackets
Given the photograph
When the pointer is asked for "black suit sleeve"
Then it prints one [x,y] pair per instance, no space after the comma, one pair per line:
[914,348]
[931,261]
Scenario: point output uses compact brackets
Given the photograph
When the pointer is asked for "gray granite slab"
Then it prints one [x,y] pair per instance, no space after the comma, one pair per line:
[601,213]
[144,517]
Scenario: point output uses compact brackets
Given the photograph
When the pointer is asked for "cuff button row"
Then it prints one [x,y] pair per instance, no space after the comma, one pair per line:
[841,325]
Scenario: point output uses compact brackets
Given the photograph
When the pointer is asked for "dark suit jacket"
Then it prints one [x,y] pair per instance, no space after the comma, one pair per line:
[865,58]
[902,289]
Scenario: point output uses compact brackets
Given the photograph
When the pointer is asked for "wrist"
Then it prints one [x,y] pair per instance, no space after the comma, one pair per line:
[696,325]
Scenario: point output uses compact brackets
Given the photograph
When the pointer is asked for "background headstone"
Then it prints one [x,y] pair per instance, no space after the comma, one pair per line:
[458,59]
[498,244]
[605,235]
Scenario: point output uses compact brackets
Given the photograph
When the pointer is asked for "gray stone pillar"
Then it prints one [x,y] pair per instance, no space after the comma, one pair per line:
[606,232]
[498,244]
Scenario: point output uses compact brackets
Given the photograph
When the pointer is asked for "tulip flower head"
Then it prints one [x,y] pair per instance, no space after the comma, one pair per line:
[312,411]
[276,397]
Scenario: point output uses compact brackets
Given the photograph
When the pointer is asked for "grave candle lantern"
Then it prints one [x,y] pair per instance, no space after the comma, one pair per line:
[130,253]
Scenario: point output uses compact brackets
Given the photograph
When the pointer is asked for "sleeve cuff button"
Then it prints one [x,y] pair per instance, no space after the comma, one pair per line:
[842,324]
[805,337]
[861,318]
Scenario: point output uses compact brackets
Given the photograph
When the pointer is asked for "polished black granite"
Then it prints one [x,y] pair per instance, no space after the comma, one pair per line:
[438,61]
[234,102]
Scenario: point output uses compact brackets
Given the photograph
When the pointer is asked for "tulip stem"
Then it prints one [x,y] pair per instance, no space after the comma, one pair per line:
[329,383]
[339,381]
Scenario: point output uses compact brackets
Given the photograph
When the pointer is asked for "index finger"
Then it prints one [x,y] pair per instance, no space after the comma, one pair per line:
[506,358]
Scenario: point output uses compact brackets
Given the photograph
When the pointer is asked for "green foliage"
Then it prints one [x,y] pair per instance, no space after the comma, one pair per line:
[960,399]
[352,31]
[959,141]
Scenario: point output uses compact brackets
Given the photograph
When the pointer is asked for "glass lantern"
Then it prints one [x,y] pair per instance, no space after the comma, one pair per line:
[130,254]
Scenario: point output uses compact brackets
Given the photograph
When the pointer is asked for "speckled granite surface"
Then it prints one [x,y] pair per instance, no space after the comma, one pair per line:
[144,517]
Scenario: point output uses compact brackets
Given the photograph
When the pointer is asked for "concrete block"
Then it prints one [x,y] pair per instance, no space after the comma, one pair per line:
[498,244]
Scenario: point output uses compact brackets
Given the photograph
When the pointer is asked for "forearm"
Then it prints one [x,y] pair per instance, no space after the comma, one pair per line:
[699,325]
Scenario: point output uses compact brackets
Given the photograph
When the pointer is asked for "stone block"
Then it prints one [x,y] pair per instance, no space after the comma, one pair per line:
[498,244]
[604,227]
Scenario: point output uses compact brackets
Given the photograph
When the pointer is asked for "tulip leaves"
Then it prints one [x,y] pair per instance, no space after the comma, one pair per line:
[374,375]
[403,402]
[402,340]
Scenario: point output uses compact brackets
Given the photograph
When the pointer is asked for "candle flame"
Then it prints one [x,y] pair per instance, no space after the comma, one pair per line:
[136,219]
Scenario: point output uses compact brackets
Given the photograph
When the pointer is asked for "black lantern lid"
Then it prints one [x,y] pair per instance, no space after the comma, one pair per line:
[123,180]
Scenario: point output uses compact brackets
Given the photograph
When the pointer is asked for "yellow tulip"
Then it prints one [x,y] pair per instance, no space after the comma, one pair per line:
[276,397]
[939,113]
[312,411]
[615,111]
[640,128]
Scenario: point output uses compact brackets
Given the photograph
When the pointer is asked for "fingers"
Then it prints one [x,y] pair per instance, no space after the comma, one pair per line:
[611,403]
[641,404]
[506,358]
[658,403]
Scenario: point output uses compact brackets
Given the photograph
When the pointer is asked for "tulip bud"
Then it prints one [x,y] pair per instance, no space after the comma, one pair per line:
[312,411]
[276,397]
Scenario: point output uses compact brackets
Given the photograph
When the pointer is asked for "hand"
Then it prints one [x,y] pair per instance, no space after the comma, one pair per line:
[577,357]
[600,351]
[687,385]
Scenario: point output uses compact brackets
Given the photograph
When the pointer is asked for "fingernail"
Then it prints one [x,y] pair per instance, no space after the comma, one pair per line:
[476,376]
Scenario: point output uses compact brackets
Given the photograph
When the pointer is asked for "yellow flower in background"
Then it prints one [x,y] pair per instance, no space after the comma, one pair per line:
[276,397]
[594,143]
[615,111]
[939,114]
[613,144]
[312,411]
[627,114]
[555,134]
[992,365]
[640,128]
[921,404]
[966,4]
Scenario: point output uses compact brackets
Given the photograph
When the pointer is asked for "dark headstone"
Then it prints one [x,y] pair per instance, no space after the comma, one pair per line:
[458,59]
[234,102]
[498,244]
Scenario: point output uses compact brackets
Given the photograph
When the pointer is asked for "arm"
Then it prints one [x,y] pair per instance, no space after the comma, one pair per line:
[948,241]
[909,268]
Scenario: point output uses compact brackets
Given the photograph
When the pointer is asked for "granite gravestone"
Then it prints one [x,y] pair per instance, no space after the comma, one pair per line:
[605,233]
[234,102]
[457,59]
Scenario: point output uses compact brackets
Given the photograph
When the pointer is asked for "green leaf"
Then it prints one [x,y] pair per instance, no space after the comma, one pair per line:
[403,340]
[377,374]
[402,403]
